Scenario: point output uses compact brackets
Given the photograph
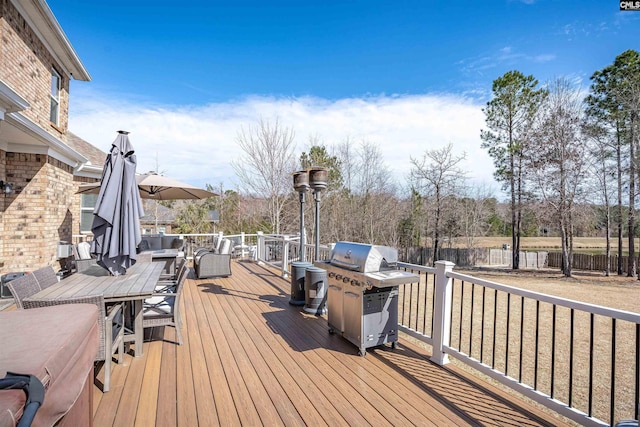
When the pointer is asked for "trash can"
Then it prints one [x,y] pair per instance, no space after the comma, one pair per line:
[298,270]
[315,286]
[6,278]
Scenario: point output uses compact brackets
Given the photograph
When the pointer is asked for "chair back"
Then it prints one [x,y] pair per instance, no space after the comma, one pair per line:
[45,276]
[217,240]
[179,285]
[23,287]
[82,250]
[182,265]
[225,248]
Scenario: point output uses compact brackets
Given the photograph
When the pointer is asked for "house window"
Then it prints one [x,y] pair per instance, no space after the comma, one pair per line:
[87,204]
[56,82]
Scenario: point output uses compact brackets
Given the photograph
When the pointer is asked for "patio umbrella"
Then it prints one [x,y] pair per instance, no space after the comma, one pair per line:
[116,216]
[158,187]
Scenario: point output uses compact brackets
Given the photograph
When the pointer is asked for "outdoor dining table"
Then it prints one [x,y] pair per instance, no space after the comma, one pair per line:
[132,288]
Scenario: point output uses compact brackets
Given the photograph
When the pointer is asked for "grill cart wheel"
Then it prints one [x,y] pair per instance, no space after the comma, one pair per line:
[331,331]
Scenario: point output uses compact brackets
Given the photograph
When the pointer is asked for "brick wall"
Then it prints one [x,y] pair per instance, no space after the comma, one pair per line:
[41,211]
[25,65]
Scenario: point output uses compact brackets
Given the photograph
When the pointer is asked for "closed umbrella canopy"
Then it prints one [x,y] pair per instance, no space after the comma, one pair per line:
[158,187]
[116,220]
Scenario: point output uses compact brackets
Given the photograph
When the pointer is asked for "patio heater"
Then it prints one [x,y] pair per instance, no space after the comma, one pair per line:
[318,182]
[298,268]
[301,185]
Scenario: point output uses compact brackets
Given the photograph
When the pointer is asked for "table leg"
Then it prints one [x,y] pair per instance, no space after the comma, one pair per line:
[138,329]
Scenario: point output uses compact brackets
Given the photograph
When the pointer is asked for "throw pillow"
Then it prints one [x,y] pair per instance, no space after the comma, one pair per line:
[143,246]
[177,243]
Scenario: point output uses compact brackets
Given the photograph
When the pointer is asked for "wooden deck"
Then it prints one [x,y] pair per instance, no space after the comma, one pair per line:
[249,358]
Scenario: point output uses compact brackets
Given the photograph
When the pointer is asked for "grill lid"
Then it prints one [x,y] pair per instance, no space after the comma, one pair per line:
[363,258]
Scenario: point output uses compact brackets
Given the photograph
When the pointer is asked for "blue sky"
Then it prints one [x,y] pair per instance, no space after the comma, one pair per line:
[209,67]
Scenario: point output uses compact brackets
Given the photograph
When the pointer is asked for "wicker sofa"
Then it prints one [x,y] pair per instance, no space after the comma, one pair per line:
[156,242]
[209,262]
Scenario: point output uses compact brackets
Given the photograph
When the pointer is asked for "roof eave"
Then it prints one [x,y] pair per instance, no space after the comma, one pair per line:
[44,23]
[10,101]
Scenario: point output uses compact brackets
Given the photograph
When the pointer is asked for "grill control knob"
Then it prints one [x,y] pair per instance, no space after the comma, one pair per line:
[354,282]
[346,280]
[331,274]
[338,276]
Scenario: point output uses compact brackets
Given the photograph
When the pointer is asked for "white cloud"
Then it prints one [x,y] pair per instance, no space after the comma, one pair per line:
[196,144]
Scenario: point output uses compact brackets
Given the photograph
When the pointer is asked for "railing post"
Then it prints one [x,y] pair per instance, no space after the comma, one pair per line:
[285,257]
[442,312]
[260,247]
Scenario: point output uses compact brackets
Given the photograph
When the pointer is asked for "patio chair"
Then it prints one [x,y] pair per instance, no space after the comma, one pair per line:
[82,256]
[23,287]
[208,263]
[111,323]
[182,263]
[169,284]
[45,276]
[163,308]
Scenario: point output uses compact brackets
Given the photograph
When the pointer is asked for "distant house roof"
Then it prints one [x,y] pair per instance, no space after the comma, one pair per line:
[165,215]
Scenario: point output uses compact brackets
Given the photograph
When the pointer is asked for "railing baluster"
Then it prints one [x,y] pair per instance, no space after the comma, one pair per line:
[506,363]
[473,288]
[591,364]
[637,399]
[553,351]
[404,298]
[495,321]
[571,334]
[535,363]
[433,305]
[426,293]
[613,371]
[453,287]
[484,290]
[410,303]
[521,337]
[461,311]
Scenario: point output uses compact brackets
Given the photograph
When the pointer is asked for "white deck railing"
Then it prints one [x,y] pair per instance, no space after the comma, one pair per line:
[564,354]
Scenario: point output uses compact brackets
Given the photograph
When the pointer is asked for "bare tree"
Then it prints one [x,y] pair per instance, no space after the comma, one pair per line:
[474,214]
[439,176]
[603,147]
[267,163]
[558,159]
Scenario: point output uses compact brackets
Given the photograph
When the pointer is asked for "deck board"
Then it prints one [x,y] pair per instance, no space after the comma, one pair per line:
[250,358]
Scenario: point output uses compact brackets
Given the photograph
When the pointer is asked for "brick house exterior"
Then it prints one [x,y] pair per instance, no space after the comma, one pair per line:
[43,161]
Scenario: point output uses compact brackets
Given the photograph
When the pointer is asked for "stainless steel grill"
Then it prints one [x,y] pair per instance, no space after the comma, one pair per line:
[362,301]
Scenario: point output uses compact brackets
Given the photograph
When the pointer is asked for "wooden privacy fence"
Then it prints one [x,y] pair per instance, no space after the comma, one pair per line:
[473,257]
[460,256]
[589,262]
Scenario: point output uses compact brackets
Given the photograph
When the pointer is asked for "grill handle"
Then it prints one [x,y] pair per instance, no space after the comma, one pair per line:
[346,265]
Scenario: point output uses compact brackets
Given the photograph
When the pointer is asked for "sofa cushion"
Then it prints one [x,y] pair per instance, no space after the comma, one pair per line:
[143,246]
[155,243]
[167,241]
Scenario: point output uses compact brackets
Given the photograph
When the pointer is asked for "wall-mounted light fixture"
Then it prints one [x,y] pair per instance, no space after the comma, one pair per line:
[6,188]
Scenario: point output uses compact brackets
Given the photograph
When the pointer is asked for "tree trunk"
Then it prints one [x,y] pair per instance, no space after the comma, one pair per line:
[619,210]
[631,270]
[607,270]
